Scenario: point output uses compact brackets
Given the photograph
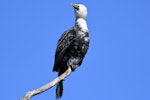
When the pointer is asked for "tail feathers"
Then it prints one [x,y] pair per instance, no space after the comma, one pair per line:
[59,90]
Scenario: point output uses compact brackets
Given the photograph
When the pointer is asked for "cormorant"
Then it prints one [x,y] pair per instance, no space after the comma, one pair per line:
[72,46]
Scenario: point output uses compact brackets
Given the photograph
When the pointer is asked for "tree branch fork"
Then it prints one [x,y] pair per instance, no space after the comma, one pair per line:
[47,86]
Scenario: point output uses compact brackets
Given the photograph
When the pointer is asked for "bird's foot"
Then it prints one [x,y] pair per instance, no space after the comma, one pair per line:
[73,67]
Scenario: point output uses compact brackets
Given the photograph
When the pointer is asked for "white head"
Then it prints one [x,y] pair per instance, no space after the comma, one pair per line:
[80,11]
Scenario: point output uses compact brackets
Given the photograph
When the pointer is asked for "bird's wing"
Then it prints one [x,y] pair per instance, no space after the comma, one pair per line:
[63,43]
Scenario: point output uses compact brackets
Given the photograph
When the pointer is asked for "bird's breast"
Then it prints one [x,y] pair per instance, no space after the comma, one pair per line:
[82,36]
[81,41]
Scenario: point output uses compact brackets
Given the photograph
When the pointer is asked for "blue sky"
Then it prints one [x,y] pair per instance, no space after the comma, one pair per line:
[116,67]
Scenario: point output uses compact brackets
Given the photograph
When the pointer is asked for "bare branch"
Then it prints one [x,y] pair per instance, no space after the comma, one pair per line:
[32,93]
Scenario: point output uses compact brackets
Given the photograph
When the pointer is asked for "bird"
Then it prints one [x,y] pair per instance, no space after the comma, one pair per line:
[72,46]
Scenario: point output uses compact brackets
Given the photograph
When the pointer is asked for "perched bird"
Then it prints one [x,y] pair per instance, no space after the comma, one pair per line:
[72,46]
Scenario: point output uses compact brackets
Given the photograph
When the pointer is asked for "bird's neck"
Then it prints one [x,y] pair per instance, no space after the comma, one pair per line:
[81,24]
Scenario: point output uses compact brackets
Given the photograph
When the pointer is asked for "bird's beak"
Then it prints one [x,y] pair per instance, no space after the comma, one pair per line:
[75,6]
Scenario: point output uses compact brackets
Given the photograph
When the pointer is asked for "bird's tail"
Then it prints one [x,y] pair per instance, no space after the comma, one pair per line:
[59,88]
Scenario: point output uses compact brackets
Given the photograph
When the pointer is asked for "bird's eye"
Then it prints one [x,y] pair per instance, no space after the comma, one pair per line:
[77,7]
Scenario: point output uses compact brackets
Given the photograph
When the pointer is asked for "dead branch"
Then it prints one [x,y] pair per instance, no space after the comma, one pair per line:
[32,93]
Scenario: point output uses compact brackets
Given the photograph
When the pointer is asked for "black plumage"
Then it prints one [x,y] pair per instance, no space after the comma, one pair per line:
[71,49]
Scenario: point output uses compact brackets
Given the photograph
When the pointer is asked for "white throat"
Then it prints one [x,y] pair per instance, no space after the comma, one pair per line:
[81,23]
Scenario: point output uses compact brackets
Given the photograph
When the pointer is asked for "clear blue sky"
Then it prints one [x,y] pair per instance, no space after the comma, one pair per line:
[116,67]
